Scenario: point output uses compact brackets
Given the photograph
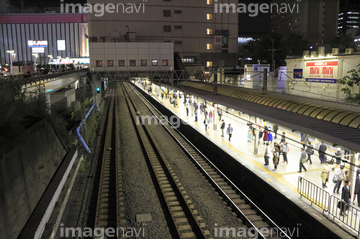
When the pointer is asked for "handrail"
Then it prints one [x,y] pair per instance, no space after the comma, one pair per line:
[329,203]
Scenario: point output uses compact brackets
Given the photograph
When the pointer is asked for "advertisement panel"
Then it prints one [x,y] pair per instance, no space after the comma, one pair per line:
[322,71]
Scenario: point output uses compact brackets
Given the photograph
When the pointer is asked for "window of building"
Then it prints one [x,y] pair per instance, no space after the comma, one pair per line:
[154,62]
[132,62]
[178,27]
[167,28]
[98,63]
[165,62]
[167,13]
[178,11]
[209,16]
[209,31]
[209,64]
[143,62]
[110,63]
[209,2]
[121,62]
[209,46]
[178,42]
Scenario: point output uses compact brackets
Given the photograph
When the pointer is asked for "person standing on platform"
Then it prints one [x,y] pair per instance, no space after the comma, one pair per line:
[260,136]
[304,139]
[357,190]
[284,150]
[275,128]
[267,154]
[250,133]
[210,116]
[266,135]
[222,127]
[345,196]
[302,161]
[229,131]
[196,115]
[270,136]
[339,176]
[338,156]
[322,149]
[206,122]
[325,174]
[309,151]
[187,108]
[220,114]
[283,138]
[276,154]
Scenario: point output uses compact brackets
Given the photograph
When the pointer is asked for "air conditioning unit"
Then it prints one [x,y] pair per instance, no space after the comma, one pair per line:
[306,53]
[335,51]
[349,51]
[321,51]
[313,53]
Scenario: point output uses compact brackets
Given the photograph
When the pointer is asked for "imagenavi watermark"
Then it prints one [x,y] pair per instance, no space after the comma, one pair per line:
[101,8]
[253,9]
[173,120]
[244,232]
[101,232]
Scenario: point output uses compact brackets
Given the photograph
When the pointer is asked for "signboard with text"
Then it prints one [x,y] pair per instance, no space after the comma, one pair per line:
[32,43]
[322,71]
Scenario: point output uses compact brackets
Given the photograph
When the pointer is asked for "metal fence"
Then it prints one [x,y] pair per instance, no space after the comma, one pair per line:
[330,204]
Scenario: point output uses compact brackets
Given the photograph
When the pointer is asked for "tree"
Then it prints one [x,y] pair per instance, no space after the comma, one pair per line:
[350,80]
[294,44]
[342,42]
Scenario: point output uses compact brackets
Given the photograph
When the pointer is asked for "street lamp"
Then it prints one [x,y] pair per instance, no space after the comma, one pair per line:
[127,34]
[11,52]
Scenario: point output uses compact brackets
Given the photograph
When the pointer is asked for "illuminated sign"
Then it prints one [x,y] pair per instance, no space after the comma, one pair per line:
[38,50]
[322,71]
[32,43]
[61,45]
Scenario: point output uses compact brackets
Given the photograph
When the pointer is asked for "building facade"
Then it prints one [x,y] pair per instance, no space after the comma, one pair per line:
[41,35]
[199,34]
[316,20]
[349,17]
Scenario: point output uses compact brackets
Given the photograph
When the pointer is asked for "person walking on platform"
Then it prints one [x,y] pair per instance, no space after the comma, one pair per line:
[357,190]
[302,160]
[196,115]
[309,151]
[275,128]
[283,138]
[250,133]
[339,176]
[325,174]
[267,154]
[206,122]
[220,114]
[222,127]
[345,196]
[284,150]
[338,156]
[322,149]
[229,131]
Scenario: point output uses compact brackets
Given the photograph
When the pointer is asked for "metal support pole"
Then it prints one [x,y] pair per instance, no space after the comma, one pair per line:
[256,149]
[265,82]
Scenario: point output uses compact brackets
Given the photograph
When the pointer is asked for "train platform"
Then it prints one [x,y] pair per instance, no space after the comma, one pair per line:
[285,179]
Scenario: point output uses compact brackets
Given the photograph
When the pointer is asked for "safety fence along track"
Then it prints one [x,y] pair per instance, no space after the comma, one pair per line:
[109,210]
[251,215]
[185,219]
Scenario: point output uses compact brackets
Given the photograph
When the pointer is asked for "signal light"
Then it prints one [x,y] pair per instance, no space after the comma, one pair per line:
[97,89]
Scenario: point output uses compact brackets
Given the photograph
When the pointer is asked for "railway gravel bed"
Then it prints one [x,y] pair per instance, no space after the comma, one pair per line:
[140,194]
[207,201]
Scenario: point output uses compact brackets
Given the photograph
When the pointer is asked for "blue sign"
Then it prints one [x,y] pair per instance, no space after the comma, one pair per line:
[298,73]
[319,80]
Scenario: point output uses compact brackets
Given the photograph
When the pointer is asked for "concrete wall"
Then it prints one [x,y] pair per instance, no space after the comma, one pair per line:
[24,175]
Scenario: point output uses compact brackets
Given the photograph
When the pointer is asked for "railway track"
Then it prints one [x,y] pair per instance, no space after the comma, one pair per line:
[185,218]
[109,210]
[251,215]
